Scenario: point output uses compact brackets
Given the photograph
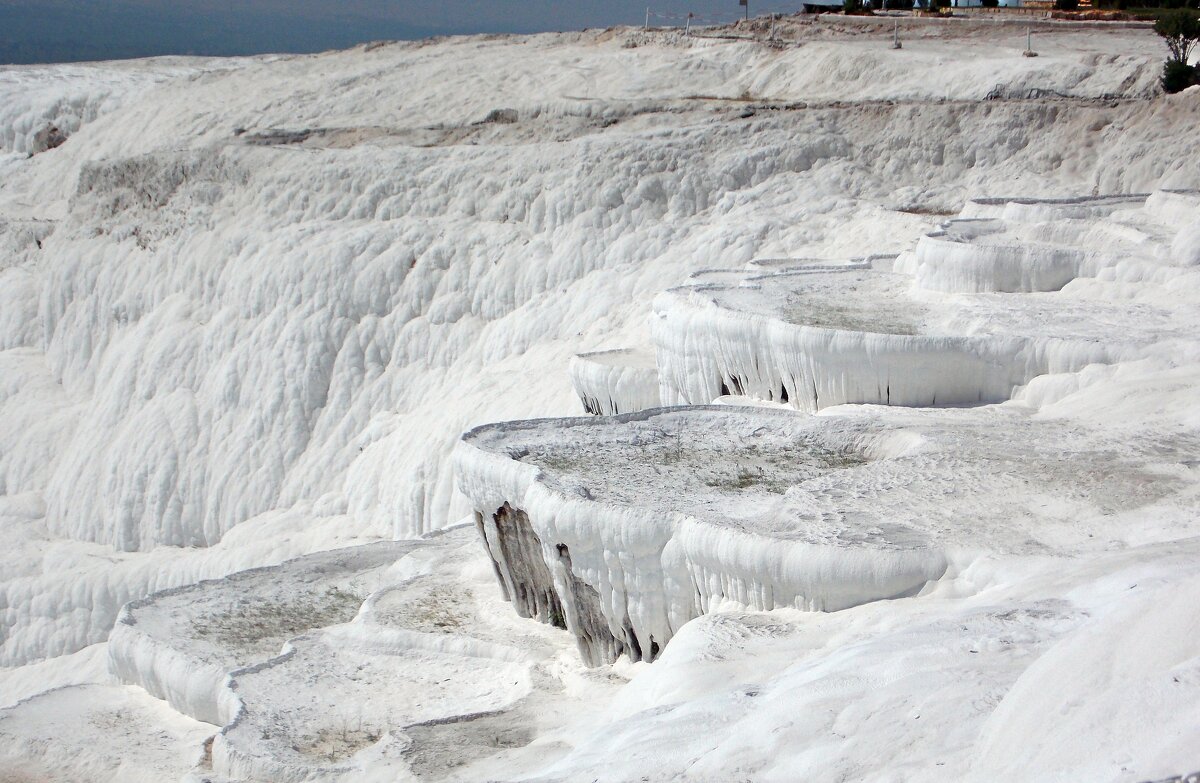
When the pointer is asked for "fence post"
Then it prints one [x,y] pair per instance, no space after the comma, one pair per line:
[1029,52]
[647,27]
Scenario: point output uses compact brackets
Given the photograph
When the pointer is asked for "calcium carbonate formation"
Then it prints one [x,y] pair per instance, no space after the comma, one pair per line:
[299,664]
[247,308]
[617,381]
[622,529]
[812,337]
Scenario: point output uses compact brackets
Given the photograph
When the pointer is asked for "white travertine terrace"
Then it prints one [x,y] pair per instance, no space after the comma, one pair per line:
[969,258]
[622,529]
[813,340]
[1023,245]
[1176,207]
[624,380]
[1037,209]
[180,645]
[288,661]
[785,264]
[976,255]
[248,308]
[813,337]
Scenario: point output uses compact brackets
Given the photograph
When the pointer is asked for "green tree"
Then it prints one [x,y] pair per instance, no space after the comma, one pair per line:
[1181,30]
[1178,76]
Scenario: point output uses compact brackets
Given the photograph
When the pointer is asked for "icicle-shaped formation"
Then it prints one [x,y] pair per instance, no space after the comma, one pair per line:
[611,382]
[567,511]
[814,336]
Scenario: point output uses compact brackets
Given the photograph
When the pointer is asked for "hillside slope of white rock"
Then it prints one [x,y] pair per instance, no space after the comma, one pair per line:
[248,307]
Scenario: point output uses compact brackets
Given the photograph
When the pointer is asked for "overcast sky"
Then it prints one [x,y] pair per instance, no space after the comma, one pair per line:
[60,30]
